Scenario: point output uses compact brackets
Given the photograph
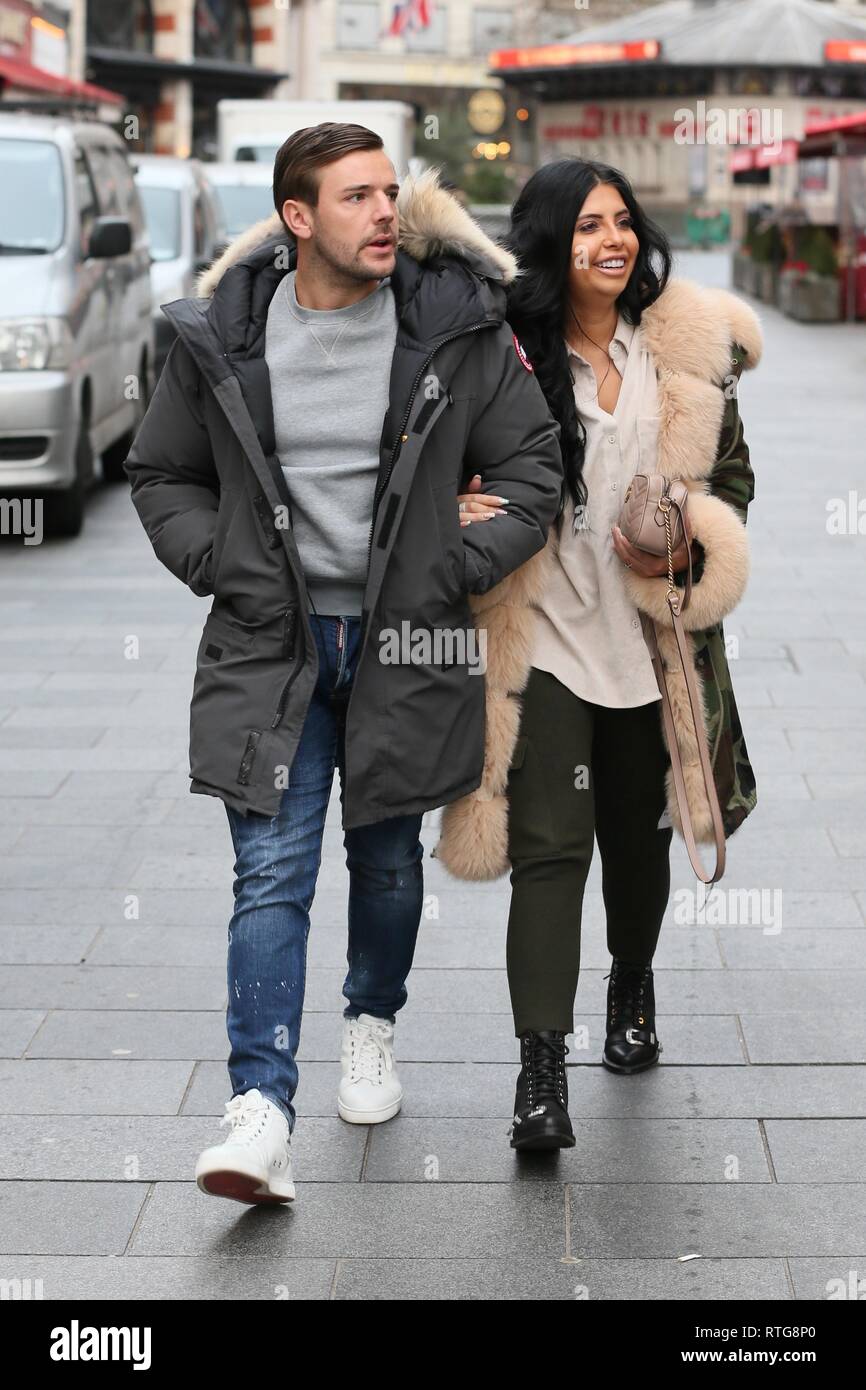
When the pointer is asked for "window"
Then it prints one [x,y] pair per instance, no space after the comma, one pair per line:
[126,193]
[243,204]
[162,214]
[491,29]
[31,211]
[106,180]
[433,39]
[223,29]
[357,24]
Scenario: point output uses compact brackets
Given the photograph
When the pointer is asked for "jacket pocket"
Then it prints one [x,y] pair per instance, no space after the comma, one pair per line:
[240,672]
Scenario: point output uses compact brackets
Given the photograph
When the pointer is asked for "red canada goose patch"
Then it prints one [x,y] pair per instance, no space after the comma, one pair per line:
[521,353]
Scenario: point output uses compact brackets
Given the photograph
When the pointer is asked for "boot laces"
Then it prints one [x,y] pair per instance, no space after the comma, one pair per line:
[544,1068]
[628,990]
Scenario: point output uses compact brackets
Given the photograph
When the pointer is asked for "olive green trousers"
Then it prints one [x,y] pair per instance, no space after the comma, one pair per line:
[581,772]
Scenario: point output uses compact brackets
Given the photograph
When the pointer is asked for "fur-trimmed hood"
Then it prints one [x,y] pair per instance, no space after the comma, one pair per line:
[432,223]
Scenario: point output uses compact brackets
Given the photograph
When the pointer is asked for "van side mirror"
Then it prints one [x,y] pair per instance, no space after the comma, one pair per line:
[111,236]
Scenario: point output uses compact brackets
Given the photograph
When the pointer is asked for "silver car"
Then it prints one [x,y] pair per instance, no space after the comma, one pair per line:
[76,335]
[244,192]
[183,224]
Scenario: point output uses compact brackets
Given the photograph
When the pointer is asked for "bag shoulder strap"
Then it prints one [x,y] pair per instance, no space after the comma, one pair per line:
[674,749]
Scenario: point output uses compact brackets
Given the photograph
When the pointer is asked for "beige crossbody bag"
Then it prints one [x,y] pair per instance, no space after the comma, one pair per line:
[654,518]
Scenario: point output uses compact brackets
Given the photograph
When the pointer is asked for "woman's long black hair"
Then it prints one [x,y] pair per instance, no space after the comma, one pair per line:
[541,236]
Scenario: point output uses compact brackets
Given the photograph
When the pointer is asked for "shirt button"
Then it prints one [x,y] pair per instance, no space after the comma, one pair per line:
[635,622]
[611,439]
[613,487]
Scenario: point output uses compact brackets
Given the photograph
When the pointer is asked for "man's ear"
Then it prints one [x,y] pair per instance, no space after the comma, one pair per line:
[295,215]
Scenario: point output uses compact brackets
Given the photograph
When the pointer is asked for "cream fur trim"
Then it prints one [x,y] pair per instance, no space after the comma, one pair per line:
[725,574]
[432,223]
[474,833]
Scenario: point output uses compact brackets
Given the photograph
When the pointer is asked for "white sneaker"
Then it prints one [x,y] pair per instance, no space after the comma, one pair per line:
[255,1162]
[370,1089]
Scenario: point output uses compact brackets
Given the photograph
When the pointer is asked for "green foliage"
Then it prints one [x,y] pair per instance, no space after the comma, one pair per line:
[488,183]
[765,244]
[815,246]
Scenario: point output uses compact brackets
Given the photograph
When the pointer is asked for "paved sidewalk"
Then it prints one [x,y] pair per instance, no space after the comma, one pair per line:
[745,1147]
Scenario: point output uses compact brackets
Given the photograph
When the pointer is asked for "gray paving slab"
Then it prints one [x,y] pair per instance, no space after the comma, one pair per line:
[116,987]
[563,1280]
[606,1151]
[62,1218]
[17,1027]
[360,1220]
[835,1035]
[817,1150]
[464,1090]
[734,1220]
[157,1148]
[836,1280]
[118,1278]
[71,1087]
[445,1037]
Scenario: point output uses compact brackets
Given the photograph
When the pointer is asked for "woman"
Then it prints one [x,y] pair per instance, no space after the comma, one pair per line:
[640,371]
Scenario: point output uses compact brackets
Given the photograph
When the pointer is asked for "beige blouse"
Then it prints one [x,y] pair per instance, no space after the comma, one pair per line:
[587,632]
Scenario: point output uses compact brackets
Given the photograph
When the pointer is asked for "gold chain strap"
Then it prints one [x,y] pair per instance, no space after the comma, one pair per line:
[672,596]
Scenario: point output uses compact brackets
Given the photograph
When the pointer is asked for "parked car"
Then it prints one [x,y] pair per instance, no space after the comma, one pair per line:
[244,193]
[183,221]
[76,337]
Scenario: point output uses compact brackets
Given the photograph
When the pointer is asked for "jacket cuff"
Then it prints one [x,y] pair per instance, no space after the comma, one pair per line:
[723,574]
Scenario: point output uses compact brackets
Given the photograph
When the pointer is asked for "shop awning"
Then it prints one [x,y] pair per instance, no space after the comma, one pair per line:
[26,78]
[745,157]
[842,135]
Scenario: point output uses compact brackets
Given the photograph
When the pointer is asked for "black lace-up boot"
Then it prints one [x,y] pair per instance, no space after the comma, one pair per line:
[541,1119]
[631,1043]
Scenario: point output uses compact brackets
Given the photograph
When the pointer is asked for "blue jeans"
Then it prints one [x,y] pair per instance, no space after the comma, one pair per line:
[277,863]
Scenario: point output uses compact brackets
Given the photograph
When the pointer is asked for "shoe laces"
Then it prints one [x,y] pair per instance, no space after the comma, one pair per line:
[544,1067]
[247,1116]
[369,1050]
[627,994]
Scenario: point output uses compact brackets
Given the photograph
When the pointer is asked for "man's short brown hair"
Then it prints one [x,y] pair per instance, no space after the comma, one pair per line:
[307,151]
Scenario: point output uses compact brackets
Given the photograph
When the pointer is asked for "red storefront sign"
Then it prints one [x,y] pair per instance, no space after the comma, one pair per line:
[845,51]
[566,55]
[598,122]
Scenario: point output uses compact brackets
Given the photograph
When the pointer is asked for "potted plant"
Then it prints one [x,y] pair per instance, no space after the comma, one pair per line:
[809,281]
[745,269]
[768,253]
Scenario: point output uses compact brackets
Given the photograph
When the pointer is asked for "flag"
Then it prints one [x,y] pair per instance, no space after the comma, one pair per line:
[410,15]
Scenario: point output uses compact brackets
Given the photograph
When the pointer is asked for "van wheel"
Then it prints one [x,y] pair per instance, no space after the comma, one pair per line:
[64,509]
[114,457]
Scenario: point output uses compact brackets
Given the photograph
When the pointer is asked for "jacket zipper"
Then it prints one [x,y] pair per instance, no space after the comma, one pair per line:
[486,323]
[290,619]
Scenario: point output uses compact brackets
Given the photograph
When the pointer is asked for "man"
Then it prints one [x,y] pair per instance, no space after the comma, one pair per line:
[344,373]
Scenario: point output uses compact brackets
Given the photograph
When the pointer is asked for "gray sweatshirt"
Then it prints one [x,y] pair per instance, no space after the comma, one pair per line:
[330,371]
